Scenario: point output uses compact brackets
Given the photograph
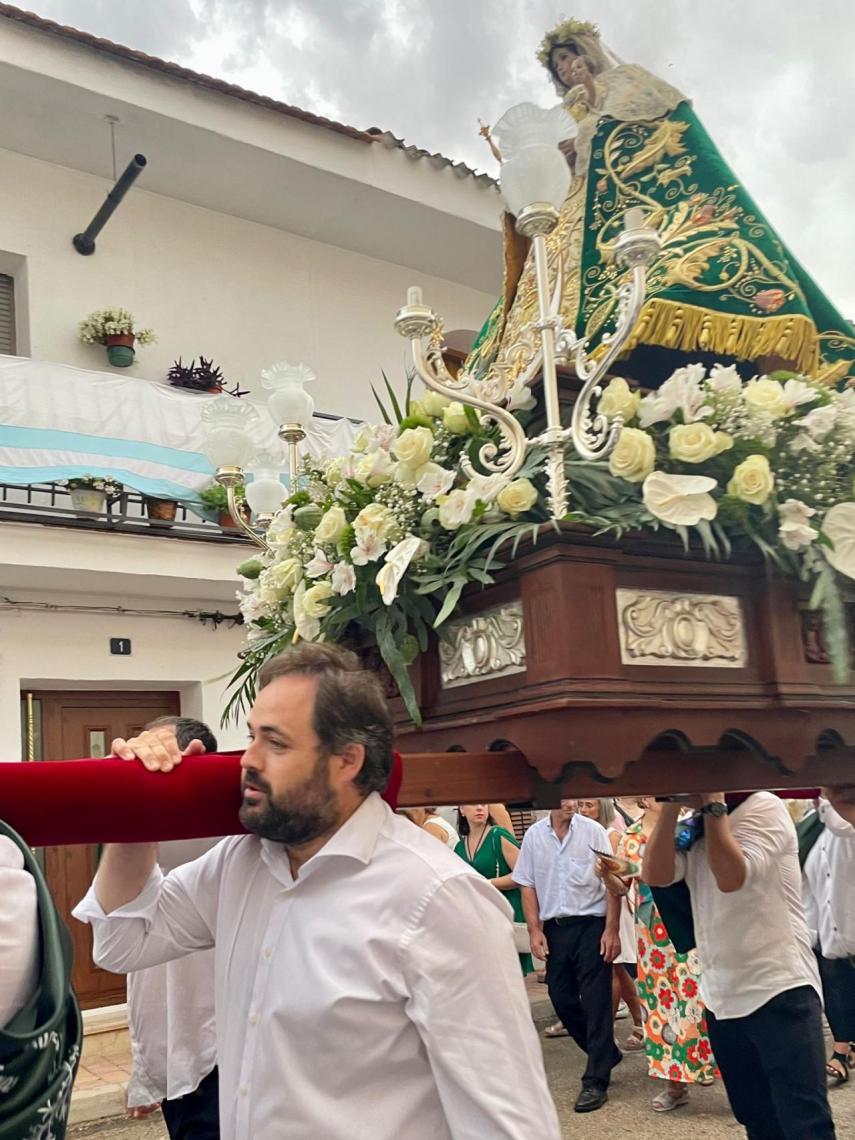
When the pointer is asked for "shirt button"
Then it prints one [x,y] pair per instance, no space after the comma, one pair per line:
[267,951]
[253,1018]
[243,1090]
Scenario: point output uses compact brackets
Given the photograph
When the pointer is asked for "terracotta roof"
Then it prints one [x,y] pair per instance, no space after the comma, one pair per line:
[175,71]
[185,75]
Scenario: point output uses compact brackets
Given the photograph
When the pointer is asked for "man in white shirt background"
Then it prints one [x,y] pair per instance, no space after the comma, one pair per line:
[828,878]
[171,1006]
[351,949]
[759,979]
[574,925]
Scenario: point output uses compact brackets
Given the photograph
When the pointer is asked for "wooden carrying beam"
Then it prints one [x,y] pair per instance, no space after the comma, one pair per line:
[100,801]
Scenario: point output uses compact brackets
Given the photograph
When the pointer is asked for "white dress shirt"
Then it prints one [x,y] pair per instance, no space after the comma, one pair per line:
[562,870]
[754,943]
[376,996]
[171,1011]
[829,885]
[19,933]
[451,837]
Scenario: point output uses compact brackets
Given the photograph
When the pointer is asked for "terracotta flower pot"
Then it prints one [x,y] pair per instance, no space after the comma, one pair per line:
[120,349]
[226,522]
[161,511]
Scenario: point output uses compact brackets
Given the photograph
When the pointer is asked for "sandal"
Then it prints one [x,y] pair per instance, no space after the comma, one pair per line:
[635,1042]
[666,1101]
[556,1030]
[838,1076]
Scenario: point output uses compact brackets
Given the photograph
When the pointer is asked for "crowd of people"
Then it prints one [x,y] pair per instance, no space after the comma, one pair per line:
[317,972]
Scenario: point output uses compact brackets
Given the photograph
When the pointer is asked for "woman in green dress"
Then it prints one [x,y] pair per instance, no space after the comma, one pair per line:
[493,852]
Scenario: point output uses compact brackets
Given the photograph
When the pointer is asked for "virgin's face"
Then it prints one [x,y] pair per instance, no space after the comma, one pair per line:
[590,808]
[569,65]
[475,813]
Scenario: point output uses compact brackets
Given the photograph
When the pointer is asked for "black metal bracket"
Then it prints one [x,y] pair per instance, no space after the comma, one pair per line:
[85,243]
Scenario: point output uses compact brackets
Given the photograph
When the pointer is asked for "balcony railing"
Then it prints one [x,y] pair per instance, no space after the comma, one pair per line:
[49,504]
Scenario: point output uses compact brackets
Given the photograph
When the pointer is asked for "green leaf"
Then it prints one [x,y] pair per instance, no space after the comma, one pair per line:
[451,600]
[379,403]
[395,663]
[396,407]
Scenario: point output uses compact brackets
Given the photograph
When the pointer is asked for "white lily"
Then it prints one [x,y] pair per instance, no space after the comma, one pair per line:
[307,627]
[368,548]
[343,578]
[433,480]
[319,565]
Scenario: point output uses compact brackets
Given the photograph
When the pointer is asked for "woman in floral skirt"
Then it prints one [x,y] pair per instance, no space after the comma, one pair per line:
[675,1032]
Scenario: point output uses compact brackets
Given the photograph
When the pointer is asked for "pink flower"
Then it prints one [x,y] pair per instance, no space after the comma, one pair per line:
[770,300]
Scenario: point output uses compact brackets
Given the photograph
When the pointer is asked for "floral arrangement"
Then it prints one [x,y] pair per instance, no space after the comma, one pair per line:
[375,547]
[111,487]
[104,323]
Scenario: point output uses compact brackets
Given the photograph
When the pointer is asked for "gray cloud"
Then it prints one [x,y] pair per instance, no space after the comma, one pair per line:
[771,79]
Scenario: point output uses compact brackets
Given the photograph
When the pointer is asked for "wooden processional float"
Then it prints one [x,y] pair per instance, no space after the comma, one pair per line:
[588,669]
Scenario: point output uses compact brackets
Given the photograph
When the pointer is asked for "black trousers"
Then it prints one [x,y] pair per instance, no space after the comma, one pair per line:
[838,990]
[195,1116]
[773,1066]
[580,989]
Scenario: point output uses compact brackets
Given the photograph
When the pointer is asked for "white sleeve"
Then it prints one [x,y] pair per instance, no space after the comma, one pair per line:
[835,822]
[172,916]
[764,831]
[19,936]
[509,1098]
[523,873]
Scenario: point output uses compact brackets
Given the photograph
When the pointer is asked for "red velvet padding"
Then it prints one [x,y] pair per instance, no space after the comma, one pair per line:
[118,801]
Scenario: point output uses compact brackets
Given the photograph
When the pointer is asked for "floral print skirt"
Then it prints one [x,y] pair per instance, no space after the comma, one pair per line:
[675,1027]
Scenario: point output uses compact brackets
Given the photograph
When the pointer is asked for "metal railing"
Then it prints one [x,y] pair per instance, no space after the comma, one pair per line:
[49,504]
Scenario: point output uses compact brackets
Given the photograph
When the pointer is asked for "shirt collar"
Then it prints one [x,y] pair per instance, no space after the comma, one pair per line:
[355,839]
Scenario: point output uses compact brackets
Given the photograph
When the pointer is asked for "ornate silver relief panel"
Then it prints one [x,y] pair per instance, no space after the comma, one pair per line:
[482,646]
[659,627]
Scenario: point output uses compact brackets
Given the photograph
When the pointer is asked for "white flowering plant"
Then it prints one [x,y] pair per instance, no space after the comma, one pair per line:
[375,547]
[767,461]
[104,323]
[112,488]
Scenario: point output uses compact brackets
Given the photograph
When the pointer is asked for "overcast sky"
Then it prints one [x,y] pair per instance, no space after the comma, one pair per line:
[773,80]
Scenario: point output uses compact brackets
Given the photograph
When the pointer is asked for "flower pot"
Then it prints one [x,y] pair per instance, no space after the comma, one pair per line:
[226,522]
[88,499]
[161,511]
[120,349]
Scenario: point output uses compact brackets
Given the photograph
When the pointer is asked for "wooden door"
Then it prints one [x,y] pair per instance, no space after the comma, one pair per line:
[76,725]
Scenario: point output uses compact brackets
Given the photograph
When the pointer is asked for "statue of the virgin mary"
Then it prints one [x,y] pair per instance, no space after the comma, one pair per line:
[723,287]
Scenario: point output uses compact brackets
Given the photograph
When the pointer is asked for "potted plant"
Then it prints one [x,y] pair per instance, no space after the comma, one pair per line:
[114,328]
[90,493]
[215,498]
[161,511]
[201,377]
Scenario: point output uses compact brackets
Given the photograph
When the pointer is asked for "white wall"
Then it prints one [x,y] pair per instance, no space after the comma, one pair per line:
[207,282]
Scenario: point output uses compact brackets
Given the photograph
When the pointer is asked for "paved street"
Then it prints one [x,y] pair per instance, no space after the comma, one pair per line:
[628,1113]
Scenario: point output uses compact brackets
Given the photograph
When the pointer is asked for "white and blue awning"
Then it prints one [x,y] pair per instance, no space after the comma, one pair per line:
[57,422]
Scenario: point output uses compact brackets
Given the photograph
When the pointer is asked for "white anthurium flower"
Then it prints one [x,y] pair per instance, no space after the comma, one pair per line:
[819,422]
[369,547]
[839,526]
[796,393]
[519,397]
[307,627]
[795,531]
[319,565]
[397,560]
[343,578]
[681,500]
[724,380]
[433,480]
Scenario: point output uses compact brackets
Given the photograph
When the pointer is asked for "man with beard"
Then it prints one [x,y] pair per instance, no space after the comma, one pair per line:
[350,947]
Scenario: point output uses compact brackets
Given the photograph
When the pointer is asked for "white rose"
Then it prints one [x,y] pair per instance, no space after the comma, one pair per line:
[456,508]
[752,480]
[634,456]
[434,404]
[413,446]
[692,443]
[518,497]
[332,526]
[454,419]
[375,518]
[619,400]
[765,395]
[315,598]
[373,469]
[283,576]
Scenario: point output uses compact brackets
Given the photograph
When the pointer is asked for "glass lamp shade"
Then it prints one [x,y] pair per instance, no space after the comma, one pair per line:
[265,493]
[225,424]
[534,169]
[290,403]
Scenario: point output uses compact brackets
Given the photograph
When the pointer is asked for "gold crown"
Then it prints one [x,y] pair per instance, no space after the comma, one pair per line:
[562,34]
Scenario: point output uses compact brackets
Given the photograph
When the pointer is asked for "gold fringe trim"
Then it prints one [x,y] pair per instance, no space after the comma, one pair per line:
[671,324]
